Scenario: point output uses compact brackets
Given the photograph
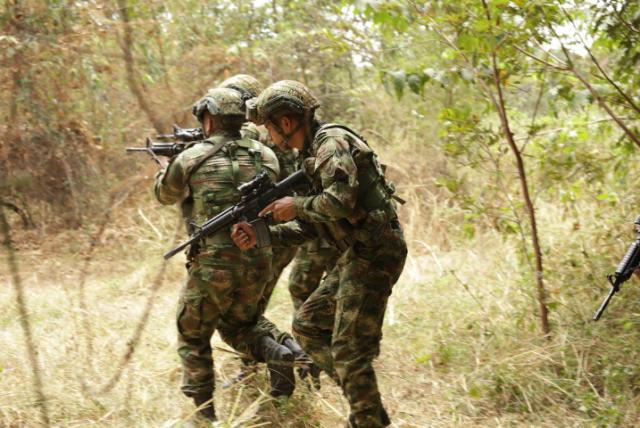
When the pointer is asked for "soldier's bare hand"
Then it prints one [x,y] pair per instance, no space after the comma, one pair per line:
[243,236]
[637,273]
[282,210]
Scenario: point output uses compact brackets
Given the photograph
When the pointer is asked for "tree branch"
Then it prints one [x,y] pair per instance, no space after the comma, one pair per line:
[562,67]
[597,64]
[593,92]
[132,79]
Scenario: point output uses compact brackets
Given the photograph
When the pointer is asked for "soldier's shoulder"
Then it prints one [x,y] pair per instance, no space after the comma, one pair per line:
[329,140]
[333,130]
[194,149]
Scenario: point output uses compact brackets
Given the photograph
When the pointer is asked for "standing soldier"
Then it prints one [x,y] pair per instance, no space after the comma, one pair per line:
[224,283]
[352,206]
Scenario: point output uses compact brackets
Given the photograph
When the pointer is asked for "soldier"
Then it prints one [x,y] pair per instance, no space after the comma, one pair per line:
[224,283]
[249,87]
[313,258]
[340,324]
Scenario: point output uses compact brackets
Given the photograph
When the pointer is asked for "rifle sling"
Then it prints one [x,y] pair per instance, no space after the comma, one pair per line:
[208,155]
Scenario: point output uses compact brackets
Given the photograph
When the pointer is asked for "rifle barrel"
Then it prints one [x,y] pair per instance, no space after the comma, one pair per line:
[177,249]
[137,149]
[604,304]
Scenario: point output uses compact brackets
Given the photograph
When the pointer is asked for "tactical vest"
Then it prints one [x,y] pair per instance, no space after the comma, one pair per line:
[375,206]
[213,183]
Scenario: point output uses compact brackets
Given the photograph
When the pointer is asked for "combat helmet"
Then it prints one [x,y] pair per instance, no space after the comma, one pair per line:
[220,102]
[247,85]
[285,95]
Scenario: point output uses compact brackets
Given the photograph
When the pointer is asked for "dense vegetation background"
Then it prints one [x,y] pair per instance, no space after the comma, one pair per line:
[511,128]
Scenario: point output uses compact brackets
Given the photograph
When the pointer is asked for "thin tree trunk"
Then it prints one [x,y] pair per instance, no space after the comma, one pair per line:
[132,78]
[25,320]
[16,15]
[504,120]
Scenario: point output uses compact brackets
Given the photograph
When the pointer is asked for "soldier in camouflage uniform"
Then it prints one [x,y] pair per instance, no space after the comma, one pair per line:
[224,283]
[340,324]
[313,258]
[249,87]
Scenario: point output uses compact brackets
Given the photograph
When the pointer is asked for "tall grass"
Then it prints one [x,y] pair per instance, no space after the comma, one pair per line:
[461,342]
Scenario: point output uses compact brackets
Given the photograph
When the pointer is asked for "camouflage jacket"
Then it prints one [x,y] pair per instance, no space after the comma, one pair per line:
[212,187]
[351,198]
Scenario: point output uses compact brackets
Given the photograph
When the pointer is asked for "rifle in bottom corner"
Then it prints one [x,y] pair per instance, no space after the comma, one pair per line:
[630,262]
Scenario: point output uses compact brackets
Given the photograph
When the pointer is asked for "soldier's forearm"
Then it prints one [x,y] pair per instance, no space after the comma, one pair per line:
[322,208]
[292,233]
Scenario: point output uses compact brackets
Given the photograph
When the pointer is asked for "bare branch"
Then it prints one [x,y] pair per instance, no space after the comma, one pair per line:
[560,67]
[626,97]
[593,92]
[626,23]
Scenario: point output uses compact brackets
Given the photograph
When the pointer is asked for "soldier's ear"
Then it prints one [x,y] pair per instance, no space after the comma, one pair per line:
[207,123]
[288,123]
[285,123]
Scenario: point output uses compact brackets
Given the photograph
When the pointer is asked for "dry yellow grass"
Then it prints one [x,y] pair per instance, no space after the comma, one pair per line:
[461,346]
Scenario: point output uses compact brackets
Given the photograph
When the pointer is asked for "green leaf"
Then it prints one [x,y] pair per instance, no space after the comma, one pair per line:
[398,79]
[416,83]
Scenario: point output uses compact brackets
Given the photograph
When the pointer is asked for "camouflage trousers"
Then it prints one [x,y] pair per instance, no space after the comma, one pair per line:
[340,324]
[282,256]
[223,291]
[313,259]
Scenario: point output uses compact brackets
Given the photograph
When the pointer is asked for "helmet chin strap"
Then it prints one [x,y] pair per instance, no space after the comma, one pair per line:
[286,137]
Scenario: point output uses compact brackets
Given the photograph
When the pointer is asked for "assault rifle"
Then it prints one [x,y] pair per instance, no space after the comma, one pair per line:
[169,145]
[630,262]
[256,194]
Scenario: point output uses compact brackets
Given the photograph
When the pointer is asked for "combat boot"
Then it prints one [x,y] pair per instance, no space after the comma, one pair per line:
[206,411]
[304,362]
[279,361]
[384,418]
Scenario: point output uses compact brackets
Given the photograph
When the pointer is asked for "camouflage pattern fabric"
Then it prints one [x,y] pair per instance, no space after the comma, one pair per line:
[282,256]
[289,94]
[224,283]
[247,85]
[220,102]
[312,260]
[222,286]
[251,131]
[340,324]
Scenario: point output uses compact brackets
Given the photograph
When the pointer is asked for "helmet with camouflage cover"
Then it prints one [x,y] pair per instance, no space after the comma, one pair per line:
[247,85]
[220,102]
[283,96]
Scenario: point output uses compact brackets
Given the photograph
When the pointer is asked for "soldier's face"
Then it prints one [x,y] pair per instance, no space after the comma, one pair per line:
[287,134]
[275,136]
